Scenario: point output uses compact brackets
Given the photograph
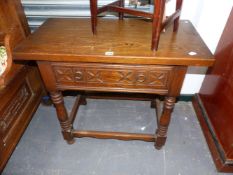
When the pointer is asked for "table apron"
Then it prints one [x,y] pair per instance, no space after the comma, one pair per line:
[112,77]
[152,79]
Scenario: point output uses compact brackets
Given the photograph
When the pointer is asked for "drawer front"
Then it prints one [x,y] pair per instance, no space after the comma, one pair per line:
[112,77]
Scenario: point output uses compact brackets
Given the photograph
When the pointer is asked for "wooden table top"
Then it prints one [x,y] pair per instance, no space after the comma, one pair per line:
[126,42]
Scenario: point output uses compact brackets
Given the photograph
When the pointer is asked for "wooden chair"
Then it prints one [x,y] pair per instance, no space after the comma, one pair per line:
[158,20]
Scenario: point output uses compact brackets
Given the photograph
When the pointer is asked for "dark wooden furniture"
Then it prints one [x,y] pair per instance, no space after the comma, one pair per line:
[21,87]
[13,28]
[159,21]
[214,103]
[71,58]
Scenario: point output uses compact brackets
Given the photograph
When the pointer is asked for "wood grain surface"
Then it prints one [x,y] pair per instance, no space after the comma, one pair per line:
[125,42]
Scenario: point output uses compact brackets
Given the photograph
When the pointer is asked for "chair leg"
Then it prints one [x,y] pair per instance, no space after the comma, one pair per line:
[155,40]
[157,22]
[176,21]
[121,4]
[93,9]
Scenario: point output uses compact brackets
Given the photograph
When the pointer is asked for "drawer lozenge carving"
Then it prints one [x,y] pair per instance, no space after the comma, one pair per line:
[103,75]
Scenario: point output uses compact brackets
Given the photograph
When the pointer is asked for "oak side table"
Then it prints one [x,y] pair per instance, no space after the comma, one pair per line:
[117,59]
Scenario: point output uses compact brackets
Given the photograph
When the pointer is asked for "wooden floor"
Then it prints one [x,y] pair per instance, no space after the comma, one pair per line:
[42,151]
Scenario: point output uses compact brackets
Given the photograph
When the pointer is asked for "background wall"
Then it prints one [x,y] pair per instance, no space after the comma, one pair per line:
[208,16]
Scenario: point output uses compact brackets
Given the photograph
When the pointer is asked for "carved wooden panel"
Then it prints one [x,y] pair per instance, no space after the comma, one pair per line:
[9,114]
[112,76]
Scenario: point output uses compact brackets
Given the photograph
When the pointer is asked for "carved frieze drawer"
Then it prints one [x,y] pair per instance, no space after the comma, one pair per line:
[132,78]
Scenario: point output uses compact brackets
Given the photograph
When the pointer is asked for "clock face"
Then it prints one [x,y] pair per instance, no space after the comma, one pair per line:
[3,59]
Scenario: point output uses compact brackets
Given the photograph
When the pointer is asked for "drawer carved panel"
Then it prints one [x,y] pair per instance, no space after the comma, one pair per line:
[118,76]
[14,108]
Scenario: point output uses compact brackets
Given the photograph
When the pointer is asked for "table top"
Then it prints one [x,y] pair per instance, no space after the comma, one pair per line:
[125,41]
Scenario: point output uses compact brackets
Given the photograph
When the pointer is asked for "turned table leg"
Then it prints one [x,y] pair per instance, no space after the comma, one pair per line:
[62,115]
[161,133]
[83,100]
